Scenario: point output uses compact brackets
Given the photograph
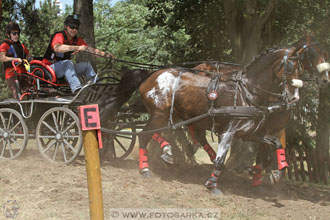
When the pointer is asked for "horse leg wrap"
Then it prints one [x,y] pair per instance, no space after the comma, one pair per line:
[210,152]
[281,161]
[212,181]
[256,171]
[160,140]
[275,175]
[167,155]
[143,164]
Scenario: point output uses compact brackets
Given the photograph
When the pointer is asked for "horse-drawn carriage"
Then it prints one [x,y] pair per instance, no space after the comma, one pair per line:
[47,112]
[232,101]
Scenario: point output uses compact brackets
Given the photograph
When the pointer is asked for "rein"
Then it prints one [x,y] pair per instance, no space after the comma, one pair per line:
[156,67]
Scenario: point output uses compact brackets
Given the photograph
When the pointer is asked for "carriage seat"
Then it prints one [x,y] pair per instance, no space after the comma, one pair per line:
[42,70]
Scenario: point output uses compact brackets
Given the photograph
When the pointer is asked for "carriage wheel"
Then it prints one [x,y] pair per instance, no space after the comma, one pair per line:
[59,136]
[13,134]
[120,145]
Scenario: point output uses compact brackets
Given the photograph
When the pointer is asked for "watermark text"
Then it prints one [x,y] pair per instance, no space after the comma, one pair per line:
[166,213]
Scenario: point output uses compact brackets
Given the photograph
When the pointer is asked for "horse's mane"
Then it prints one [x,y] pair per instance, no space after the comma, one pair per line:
[258,57]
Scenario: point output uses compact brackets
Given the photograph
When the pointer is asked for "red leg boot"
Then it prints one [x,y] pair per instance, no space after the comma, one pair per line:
[256,171]
[276,175]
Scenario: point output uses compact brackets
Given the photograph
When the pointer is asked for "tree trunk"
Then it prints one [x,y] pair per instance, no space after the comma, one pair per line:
[302,166]
[0,11]
[309,161]
[246,31]
[316,168]
[323,134]
[85,9]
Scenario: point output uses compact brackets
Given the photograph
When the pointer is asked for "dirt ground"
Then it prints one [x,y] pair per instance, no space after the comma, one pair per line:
[34,189]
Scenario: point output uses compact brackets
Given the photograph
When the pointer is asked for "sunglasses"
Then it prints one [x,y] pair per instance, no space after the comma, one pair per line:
[73,27]
[15,33]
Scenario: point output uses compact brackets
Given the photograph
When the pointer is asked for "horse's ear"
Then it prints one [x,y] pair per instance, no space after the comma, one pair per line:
[308,36]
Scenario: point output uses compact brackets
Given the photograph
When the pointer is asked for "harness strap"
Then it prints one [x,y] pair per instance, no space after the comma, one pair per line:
[212,87]
[286,64]
[238,80]
[177,81]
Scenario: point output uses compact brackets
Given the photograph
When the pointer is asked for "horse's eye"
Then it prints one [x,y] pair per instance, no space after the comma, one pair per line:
[312,52]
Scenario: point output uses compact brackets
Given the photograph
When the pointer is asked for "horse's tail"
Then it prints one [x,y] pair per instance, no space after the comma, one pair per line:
[131,80]
[129,83]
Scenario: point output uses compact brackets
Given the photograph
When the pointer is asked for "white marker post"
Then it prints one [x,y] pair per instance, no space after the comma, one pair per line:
[90,123]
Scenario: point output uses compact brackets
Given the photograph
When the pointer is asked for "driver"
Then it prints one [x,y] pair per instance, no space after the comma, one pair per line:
[58,54]
[11,49]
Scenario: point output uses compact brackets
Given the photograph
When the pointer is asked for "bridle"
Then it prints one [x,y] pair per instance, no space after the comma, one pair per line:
[288,68]
[288,65]
[306,54]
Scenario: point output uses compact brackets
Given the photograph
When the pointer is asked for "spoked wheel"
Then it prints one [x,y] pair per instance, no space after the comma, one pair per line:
[119,145]
[13,134]
[58,134]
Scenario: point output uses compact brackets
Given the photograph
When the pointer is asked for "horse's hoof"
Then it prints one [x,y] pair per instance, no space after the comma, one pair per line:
[167,158]
[146,173]
[275,176]
[215,192]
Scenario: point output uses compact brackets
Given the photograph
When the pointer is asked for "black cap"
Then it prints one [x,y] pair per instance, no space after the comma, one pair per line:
[72,20]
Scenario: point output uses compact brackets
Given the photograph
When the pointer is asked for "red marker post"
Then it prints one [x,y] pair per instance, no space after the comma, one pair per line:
[90,124]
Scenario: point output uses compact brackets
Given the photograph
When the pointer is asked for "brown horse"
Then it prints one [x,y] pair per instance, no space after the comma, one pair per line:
[310,58]
[184,93]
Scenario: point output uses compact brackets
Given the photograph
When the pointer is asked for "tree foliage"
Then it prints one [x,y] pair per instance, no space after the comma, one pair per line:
[122,30]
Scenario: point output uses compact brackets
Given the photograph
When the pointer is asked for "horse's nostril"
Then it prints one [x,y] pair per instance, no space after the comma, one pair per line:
[295,99]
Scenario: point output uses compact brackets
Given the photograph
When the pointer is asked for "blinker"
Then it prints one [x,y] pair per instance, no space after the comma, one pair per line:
[213,95]
[290,67]
[323,67]
[297,83]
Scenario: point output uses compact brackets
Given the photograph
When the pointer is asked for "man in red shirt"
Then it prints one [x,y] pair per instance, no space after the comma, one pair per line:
[60,49]
[11,49]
